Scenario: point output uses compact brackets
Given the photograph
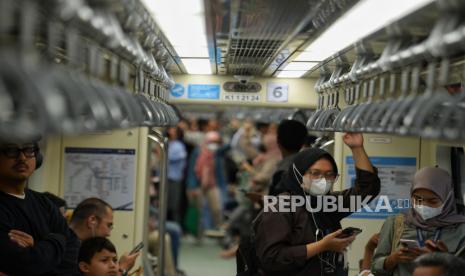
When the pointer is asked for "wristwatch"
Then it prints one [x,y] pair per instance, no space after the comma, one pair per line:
[124,272]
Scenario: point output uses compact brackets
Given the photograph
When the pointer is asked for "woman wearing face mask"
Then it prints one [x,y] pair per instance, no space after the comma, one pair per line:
[432,222]
[304,242]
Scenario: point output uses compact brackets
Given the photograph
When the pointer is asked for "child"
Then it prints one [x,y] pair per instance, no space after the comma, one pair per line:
[97,257]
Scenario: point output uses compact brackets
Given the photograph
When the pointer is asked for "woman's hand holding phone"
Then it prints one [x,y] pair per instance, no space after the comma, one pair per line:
[405,254]
[331,242]
[438,246]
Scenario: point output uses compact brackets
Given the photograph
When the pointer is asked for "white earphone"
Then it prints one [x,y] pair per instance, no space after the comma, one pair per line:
[318,230]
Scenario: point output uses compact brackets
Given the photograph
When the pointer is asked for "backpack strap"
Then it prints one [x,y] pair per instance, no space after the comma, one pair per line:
[397,231]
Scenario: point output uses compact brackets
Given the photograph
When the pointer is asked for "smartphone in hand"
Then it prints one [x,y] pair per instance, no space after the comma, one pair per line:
[137,248]
[349,231]
[409,243]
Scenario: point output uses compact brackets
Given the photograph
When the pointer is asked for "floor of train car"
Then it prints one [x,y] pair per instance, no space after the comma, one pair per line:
[204,259]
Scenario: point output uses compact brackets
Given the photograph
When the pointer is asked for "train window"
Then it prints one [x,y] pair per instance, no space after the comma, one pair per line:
[452,159]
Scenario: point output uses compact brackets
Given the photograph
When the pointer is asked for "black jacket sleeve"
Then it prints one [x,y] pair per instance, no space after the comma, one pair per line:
[54,254]
[39,259]
[366,184]
[68,265]
[273,243]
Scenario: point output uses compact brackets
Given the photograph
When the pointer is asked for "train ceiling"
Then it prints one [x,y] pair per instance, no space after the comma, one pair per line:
[262,38]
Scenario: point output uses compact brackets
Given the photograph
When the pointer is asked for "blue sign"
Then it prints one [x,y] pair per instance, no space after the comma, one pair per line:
[178,90]
[203,91]
[396,174]
[218,55]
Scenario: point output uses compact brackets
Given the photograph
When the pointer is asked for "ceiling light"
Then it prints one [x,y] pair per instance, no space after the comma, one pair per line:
[197,66]
[364,18]
[183,23]
[191,52]
[291,74]
[297,66]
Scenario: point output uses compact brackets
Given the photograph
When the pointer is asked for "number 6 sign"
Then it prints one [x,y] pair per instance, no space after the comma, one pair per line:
[277,92]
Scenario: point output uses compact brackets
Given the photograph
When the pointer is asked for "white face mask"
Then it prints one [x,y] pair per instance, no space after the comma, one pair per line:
[427,212]
[314,186]
[213,146]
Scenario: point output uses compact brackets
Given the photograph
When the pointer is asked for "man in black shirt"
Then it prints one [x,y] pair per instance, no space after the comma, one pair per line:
[291,137]
[34,237]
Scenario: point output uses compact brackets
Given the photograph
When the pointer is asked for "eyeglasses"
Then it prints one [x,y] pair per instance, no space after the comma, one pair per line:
[13,152]
[417,199]
[316,174]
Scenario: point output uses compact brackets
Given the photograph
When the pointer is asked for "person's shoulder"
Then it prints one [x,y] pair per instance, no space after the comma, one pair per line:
[177,143]
[460,227]
[38,197]
[392,218]
[34,194]
[286,162]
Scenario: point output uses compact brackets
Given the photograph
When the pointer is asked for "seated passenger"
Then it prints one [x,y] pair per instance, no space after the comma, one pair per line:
[439,264]
[432,221]
[97,257]
[34,236]
[93,217]
[173,237]
[365,263]
[305,242]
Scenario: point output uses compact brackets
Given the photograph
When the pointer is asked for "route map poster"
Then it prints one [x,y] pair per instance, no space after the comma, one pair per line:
[105,173]
[396,174]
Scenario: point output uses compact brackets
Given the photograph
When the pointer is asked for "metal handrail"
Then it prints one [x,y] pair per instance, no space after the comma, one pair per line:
[162,142]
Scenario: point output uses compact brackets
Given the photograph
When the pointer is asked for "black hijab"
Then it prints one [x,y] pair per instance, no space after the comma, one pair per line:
[303,160]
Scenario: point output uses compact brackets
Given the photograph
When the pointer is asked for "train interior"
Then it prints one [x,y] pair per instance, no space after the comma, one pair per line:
[103,80]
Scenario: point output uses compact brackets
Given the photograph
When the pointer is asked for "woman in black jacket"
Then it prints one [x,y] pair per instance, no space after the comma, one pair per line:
[304,242]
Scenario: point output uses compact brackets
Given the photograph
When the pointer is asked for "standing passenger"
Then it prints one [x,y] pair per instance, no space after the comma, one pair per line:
[177,156]
[306,242]
[206,178]
[291,135]
[264,165]
[34,236]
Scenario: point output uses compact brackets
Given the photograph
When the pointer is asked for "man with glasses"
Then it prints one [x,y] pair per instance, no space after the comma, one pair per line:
[93,217]
[34,237]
